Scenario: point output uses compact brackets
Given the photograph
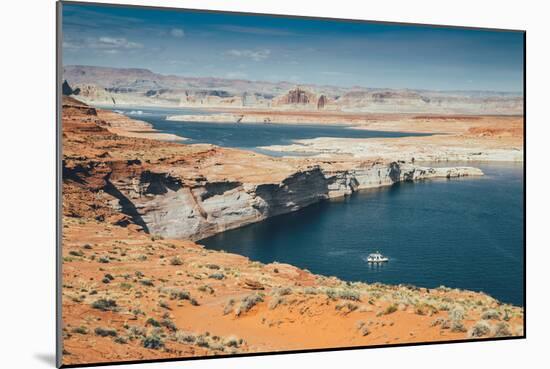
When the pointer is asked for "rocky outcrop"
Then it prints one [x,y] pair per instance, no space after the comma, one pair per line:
[167,207]
[298,97]
[195,191]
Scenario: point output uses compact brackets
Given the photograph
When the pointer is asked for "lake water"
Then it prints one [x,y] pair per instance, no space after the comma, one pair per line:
[248,136]
[465,233]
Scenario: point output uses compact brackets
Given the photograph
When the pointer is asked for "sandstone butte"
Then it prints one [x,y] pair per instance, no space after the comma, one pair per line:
[137,286]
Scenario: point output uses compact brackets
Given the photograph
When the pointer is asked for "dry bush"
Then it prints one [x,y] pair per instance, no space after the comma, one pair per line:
[480,329]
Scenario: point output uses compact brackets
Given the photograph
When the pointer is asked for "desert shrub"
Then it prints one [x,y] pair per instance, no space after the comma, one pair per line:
[169,324]
[80,330]
[480,329]
[248,303]
[390,309]
[349,306]
[202,341]
[176,261]
[153,322]
[228,307]
[153,342]
[183,337]
[105,305]
[439,322]
[176,294]
[109,276]
[125,286]
[104,332]
[194,302]
[348,294]
[457,313]
[457,326]
[156,237]
[121,340]
[283,291]
[136,331]
[163,304]
[76,253]
[311,291]
[147,282]
[490,315]
[212,266]
[103,259]
[502,329]
[217,276]
[275,301]
[345,294]
[87,246]
[232,341]
[206,288]
[216,346]
[425,309]
[142,257]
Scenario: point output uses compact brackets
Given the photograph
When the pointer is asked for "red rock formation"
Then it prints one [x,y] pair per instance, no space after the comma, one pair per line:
[321,102]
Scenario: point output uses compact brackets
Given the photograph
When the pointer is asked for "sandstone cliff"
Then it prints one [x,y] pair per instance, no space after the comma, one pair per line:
[194,191]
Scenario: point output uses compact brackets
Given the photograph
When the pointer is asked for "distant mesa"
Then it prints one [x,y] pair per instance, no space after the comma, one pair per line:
[131,86]
[299,97]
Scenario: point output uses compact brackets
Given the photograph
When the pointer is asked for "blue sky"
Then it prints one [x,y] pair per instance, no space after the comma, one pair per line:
[289,49]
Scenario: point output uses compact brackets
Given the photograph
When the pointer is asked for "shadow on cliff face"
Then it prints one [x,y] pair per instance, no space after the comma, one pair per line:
[127,207]
[159,183]
[297,191]
[395,172]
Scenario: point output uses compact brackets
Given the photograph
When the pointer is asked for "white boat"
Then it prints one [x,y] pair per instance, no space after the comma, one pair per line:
[377,257]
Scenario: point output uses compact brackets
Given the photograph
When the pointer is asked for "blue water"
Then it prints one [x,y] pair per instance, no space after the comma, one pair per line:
[465,233]
[248,136]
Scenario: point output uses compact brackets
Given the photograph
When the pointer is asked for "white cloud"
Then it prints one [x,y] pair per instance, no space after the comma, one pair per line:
[256,55]
[177,32]
[115,43]
[105,45]
[71,45]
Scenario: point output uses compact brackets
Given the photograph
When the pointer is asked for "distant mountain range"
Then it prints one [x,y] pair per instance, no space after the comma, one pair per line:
[131,86]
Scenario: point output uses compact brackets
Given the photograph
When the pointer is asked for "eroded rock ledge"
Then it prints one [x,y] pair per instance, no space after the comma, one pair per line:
[195,191]
[168,207]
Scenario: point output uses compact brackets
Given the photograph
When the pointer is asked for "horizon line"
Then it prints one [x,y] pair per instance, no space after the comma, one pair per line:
[521,93]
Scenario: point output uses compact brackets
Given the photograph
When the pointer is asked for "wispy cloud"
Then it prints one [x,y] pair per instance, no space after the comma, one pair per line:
[177,32]
[255,30]
[256,55]
[105,44]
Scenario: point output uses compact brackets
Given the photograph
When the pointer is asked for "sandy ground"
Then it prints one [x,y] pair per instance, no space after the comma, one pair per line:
[188,292]
[451,139]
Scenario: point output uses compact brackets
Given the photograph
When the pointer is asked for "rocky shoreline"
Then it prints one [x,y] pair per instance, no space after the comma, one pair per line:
[211,196]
